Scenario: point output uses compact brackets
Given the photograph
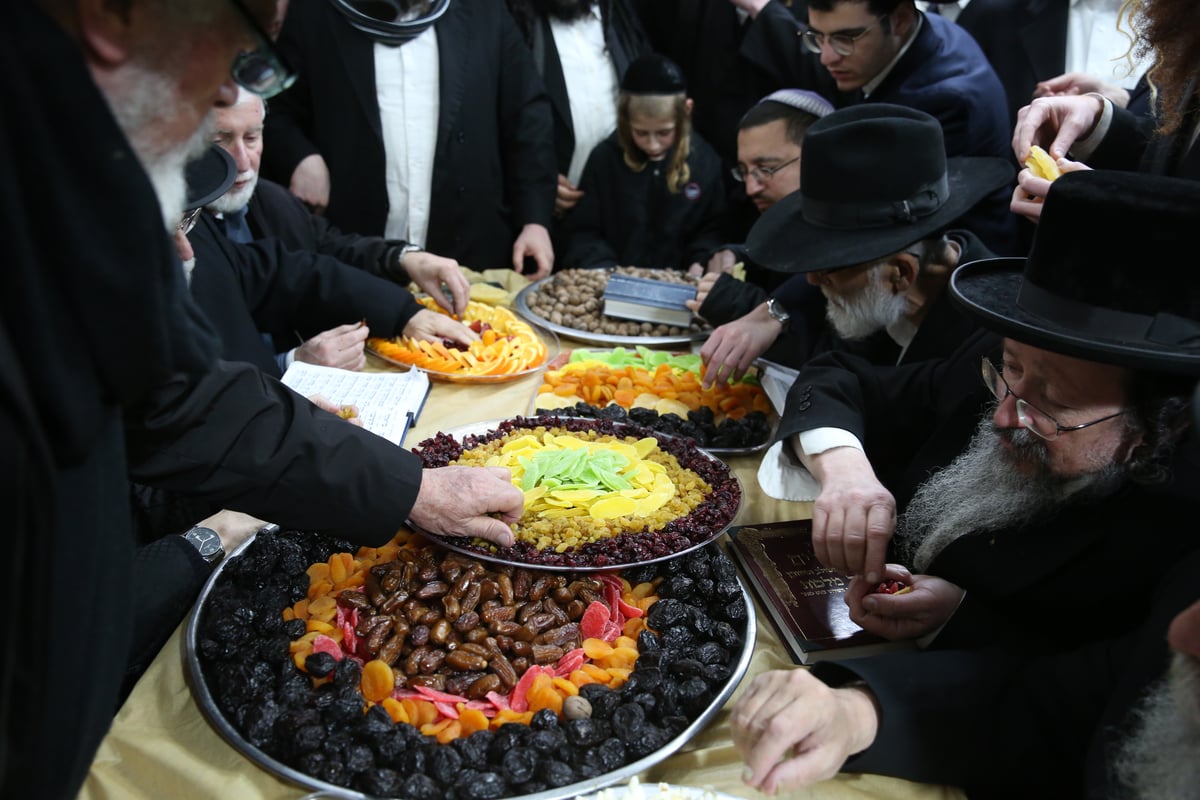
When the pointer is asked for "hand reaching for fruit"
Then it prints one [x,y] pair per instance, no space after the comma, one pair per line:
[1033,182]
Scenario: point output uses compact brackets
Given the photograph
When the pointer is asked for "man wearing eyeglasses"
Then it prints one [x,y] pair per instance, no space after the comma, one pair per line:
[855,51]
[109,373]
[1042,527]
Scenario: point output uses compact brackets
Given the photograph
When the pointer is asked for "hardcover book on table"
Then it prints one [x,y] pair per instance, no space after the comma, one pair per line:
[648,300]
[804,599]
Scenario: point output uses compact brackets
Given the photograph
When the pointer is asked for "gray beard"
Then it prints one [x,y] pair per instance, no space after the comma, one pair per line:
[982,490]
[233,200]
[1161,759]
[149,99]
[873,309]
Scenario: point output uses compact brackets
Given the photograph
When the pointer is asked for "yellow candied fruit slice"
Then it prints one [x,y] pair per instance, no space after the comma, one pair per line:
[1041,164]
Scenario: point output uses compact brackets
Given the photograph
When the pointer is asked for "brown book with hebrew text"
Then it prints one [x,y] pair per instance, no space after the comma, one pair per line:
[806,600]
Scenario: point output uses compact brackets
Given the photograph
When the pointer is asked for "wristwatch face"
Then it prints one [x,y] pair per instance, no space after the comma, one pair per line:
[776,311]
[206,541]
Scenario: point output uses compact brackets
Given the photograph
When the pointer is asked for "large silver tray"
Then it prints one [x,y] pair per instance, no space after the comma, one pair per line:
[464,545]
[521,306]
[208,706]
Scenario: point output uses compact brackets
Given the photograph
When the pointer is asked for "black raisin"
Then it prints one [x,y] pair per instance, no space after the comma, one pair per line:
[445,764]
[381,782]
[418,786]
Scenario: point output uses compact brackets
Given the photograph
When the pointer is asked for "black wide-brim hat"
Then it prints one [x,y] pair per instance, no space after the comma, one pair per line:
[874,178]
[209,177]
[1107,278]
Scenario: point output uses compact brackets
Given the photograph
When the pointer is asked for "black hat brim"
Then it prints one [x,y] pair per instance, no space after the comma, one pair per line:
[783,241]
[209,177]
[989,290]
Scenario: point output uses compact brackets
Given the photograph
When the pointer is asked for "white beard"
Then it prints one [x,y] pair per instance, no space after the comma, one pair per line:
[872,309]
[236,199]
[1161,759]
[150,97]
[982,490]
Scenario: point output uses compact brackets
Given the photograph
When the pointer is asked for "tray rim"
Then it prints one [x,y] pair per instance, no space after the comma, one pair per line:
[193,673]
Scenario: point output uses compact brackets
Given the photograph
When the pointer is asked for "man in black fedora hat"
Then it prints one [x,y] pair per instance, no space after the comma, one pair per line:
[1042,518]
[876,226]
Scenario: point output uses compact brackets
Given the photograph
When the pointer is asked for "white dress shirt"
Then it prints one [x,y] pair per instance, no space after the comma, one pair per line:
[591,82]
[406,88]
[1097,47]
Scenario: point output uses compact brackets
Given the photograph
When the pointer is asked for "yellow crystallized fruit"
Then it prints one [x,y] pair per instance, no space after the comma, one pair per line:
[1041,164]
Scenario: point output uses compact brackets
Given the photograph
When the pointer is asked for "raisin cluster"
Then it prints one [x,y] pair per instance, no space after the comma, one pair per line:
[242,644]
[752,430]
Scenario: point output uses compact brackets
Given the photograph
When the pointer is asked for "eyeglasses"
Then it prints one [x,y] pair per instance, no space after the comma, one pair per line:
[842,42]
[263,70]
[189,220]
[760,174]
[1030,416]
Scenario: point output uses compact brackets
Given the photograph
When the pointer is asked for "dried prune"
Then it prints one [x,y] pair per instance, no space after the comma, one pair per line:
[294,628]
[481,786]
[544,720]
[359,758]
[735,610]
[711,653]
[444,764]
[546,742]
[627,720]
[519,764]
[473,749]
[647,641]
[603,699]
[583,732]
[677,586]
[678,637]
[725,635]
[557,773]
[666,612]
[643,679]
[419,786]
[319,665]
[308,738]
[381,782]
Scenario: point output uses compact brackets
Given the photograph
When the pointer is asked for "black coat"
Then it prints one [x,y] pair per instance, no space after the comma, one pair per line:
[275,213]
[1129,144]
[108,371]
[250,289]
[1064,618]
[494,165]
[628,218]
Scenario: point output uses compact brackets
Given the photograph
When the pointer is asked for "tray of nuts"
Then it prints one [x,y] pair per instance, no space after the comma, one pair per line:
[571,302]
[409,671]
[600,494]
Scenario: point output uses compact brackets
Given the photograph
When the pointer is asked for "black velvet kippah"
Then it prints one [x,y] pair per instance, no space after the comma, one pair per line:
[653,74]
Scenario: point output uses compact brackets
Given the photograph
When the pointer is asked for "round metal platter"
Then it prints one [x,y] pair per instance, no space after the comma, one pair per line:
[521,306]
[208,706]
[468,547]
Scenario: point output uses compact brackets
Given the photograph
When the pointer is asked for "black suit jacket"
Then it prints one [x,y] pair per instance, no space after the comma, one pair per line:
[250,289]
[1043,648]
[494,165]
[275,213]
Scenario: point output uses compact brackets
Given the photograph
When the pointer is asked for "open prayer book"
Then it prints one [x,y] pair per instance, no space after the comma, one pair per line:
[388,402]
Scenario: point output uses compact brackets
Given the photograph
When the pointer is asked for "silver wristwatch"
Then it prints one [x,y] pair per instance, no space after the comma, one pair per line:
[777,312]
[207,543]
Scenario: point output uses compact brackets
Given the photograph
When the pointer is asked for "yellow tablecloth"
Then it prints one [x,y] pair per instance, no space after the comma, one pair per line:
[161,746]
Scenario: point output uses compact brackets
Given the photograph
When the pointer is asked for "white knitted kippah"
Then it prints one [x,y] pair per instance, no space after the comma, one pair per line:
[802,99]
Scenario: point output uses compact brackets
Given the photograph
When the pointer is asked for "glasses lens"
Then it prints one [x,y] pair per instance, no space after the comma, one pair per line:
[258,71]
[1036,421]
[811,41]
[842,45]
[993,381]
[738,175]
[189,221]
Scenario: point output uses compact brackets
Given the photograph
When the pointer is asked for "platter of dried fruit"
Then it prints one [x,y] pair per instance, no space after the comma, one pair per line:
[571,301]
[660,390]
[508,348]
[599,494]
[410,671]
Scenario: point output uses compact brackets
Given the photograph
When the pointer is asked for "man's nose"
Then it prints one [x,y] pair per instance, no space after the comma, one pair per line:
[754,185]
[828,54]
[1005,415]
[1184,633]
[241,155]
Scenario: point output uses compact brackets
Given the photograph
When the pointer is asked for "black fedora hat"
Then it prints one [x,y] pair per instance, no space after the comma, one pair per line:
[874,178]
[1105,279]
[209,177]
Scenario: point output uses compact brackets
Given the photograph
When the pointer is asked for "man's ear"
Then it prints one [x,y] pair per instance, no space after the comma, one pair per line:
[903,272]
[106,30]
[687,106]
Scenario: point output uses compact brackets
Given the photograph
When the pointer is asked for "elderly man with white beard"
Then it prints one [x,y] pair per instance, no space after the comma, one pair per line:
[1043,515]
[875,225]
[108,372]
[256,208]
